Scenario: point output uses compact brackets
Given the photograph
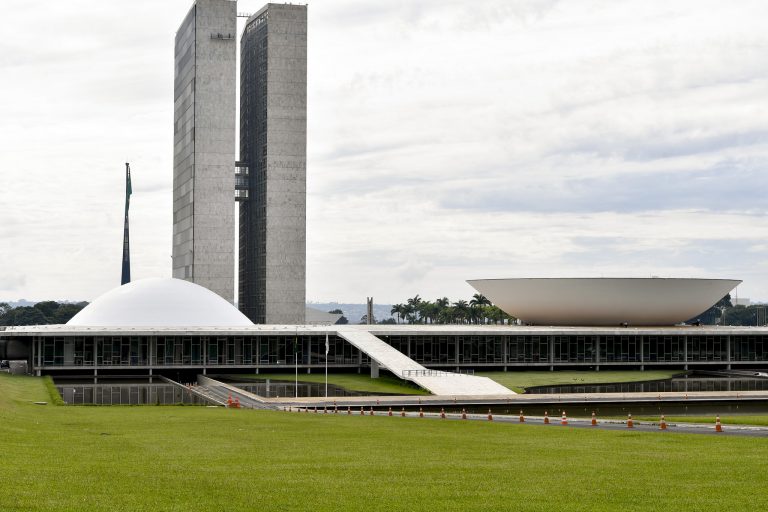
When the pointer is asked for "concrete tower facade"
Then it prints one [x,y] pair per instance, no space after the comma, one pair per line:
[204,146]
[273,149]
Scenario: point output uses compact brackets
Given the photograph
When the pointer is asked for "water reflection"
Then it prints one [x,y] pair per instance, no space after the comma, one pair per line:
[276,388]
[678,384]
[134,393]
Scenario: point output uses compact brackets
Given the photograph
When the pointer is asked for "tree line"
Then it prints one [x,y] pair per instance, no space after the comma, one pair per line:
[478,310]
[42,313]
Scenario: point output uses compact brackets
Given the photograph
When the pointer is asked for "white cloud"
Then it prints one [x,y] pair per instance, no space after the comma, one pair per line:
[447,140]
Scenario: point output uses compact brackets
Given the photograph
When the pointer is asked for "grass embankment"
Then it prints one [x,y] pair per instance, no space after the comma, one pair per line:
[517,381]
[196,458]
[350,381]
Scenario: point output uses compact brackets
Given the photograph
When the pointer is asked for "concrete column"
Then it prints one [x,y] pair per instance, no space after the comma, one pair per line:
[374,369]
[456,353]
[728,353]
[505,351]
[597,353]
[685,352]
[642,354]
[551,340]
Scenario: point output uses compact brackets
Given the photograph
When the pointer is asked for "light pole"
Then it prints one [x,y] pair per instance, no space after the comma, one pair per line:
[296,364]
[326,362]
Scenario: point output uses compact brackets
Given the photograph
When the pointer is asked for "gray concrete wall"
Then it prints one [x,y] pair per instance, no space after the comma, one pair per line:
[286,164]
[204,147]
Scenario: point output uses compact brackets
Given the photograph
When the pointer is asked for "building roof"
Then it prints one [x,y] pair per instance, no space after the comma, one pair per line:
[160,302]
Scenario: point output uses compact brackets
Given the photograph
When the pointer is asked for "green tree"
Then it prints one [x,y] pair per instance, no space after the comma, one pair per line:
[25,315]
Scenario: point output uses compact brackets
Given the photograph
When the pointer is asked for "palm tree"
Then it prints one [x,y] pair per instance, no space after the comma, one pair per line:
[397,309]
[414,304]
[476,304]
[461,309]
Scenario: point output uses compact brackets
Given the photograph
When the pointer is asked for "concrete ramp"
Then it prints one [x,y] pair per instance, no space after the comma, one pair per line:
[435,381]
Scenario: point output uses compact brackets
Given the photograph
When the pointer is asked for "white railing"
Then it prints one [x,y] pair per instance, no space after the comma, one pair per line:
[434,373]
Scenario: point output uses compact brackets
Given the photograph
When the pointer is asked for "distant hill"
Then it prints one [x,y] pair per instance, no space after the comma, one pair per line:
[353,312]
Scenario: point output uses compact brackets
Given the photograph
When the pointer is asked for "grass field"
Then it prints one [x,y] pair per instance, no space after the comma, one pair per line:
[212,459]
[517,380]
[351,381]
[725,420]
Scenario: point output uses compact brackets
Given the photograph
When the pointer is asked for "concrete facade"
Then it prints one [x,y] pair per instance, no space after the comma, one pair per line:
[273,142]
[204,147]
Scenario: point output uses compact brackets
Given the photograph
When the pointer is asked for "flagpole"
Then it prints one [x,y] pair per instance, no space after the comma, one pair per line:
[326,363]
[296,364]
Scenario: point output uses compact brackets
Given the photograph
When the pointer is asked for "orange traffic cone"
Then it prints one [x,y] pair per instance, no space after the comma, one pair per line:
[402,412]
[229,400]
[421,413]
[594,419]
[371,411]
[390,412]
[463,414]
[349,410]
[362,412]
[564,419]
[630,423]
[662,423]
[237,403]
[490,416]
[442,413]
[718,425]
[522,418]
[546,418]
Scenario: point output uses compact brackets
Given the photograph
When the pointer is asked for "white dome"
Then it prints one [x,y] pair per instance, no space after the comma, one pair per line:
[160,302]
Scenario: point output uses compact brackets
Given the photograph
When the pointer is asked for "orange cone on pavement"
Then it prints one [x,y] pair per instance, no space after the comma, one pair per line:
[371,411]
[442,413]
[349,410]
[522,417]
[630,423]
[362,412]
[594,419]
[421,412]
[662,423]
[564,420]
[463,414]
[718,425]
[402,412]
[490,416]
[546,418]
[389,413]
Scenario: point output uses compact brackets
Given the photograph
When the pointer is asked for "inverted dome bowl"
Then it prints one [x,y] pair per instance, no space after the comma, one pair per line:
[604,301]
[160,302]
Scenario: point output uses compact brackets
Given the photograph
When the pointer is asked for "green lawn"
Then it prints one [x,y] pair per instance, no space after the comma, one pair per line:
[725,420]
[351,381]
[519,380]
[211,459]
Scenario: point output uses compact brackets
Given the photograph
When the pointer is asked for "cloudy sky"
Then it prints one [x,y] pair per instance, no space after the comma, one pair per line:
[448,140]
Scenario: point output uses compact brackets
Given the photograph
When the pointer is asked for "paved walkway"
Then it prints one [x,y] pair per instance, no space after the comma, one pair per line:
[434,381]
[522,400]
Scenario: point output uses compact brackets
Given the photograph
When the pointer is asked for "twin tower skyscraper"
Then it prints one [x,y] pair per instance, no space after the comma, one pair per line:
[267,182]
